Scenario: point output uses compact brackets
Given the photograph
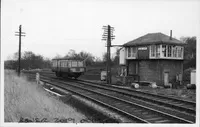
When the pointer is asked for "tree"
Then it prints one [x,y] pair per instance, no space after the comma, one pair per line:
[104,57]
[29,60]
[116,58]
[47,63]
[10,64]
[189,52]
[16,56]
[97,59]
[190,48]
[88,58]
[71,54]
[57,56]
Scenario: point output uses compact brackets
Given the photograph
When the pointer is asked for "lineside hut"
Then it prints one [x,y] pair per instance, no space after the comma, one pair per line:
[154,57]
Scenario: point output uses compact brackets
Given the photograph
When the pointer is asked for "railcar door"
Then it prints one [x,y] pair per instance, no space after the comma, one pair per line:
[56,65]
[59,66]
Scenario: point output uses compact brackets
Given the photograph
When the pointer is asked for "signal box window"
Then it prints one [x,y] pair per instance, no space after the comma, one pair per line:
[158,51]
[131,52]
[169,51]
[153,51]
[174,51]
[164,50]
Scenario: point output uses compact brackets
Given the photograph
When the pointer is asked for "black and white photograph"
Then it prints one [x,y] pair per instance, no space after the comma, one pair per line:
[100,63]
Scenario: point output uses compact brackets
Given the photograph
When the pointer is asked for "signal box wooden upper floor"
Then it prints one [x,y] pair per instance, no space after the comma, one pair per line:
[152,46]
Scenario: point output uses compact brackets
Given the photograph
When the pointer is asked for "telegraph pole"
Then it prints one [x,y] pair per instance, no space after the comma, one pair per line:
[108,35]
[20,33]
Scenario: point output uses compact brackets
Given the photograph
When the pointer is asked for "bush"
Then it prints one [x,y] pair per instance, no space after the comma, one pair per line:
[191,86]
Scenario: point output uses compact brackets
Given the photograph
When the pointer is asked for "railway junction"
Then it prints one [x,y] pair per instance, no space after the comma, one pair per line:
[119,104]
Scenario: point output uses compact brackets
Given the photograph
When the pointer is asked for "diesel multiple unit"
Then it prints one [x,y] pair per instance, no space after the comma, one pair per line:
[68,67]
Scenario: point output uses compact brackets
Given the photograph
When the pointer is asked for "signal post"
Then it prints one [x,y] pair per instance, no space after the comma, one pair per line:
[108,36]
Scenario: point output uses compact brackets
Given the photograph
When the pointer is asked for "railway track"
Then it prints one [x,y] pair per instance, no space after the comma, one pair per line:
[188,107]
[139,111]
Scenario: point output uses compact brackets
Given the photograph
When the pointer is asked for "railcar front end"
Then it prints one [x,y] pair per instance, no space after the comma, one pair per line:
[68,68]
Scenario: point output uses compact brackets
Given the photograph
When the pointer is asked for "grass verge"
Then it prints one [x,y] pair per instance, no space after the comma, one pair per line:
[23,99]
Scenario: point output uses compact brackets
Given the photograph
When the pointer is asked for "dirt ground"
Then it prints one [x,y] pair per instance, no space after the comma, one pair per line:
[182,93]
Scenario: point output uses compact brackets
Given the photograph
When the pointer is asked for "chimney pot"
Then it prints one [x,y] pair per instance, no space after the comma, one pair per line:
[170,34]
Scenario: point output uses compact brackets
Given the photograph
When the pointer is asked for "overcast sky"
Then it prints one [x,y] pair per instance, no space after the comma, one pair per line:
[55,26]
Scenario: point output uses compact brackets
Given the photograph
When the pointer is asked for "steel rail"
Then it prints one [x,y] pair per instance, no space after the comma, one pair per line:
[169,109]
[110,90]
[124,93]
[100,102]
[155,99]
[144,107]
[132,90]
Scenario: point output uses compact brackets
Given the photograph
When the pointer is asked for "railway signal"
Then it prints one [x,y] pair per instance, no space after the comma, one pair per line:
[20,33]
[108,36]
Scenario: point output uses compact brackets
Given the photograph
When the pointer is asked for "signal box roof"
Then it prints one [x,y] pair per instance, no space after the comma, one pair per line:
[153,38]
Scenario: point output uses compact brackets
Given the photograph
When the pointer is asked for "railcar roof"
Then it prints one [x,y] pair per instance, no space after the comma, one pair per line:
[153,38]
[66,59]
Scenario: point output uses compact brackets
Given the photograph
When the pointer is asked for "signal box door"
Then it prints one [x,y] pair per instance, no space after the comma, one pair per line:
[166,78]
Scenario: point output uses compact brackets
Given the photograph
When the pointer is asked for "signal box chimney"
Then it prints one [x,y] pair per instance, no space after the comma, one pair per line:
[170,34]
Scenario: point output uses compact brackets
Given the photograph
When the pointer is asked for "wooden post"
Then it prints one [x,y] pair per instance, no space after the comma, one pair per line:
[19,58]
[108,57]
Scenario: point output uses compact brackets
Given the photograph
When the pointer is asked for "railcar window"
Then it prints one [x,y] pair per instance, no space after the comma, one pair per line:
[61,63]
[54,63]
[74,63]
[65,63]
[69,63]
[80,64]
[58,63]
